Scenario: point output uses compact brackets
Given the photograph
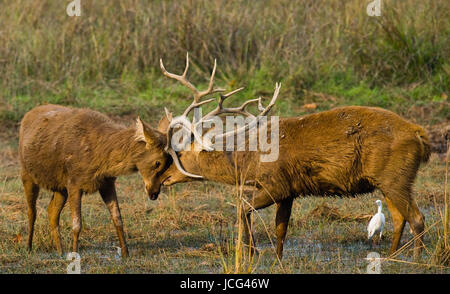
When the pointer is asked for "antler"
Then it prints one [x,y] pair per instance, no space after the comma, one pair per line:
[241,110]
[266,110]
[220,109]
[184,122]
[198,95]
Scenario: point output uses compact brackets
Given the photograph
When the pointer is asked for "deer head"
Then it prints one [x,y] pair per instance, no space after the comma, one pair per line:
[152,159]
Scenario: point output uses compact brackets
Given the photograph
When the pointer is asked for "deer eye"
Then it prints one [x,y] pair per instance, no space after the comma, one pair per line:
[157,164]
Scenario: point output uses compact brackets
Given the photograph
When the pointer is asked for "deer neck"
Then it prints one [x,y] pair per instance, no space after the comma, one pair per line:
[121,153]
[224,166]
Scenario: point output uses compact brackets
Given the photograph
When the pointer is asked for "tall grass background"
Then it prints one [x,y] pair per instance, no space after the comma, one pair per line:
[326,51]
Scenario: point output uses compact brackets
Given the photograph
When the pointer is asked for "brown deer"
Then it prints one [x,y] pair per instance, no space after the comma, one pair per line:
[74,151]
[344,151]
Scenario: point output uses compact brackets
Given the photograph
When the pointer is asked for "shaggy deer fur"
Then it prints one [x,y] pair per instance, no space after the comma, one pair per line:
[344,151]
[74,151]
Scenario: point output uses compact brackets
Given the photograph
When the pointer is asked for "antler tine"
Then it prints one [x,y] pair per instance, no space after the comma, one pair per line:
[210,89]
[187,65]
[176,160]
[182,79]
[225,96]
[244,105]
[168,114]
[195,105]
[198,95]
[220,109]
[263,112]
[239,110]
[266,110]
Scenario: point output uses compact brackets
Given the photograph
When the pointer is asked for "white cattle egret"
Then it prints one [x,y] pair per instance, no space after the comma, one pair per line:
[376,223]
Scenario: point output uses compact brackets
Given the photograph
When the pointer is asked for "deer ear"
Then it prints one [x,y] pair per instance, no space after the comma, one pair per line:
[147,134]
[163,124]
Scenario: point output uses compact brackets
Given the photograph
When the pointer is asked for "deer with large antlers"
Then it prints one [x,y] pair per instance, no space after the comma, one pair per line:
[344,151]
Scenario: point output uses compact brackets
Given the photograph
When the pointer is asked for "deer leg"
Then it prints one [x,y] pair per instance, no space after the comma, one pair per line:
[109,196]
[417,223]
[282,220]
[54,211]
[399,224]
[75,209]
[31,193]
[261,200]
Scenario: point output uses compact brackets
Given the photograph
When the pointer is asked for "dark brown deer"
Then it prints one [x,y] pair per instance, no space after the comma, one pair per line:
[74,151]
[344,151]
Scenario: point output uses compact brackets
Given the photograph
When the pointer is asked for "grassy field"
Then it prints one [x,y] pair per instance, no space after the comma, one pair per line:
[326,53]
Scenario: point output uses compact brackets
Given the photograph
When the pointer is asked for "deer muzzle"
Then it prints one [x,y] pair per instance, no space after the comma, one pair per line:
[152,193]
